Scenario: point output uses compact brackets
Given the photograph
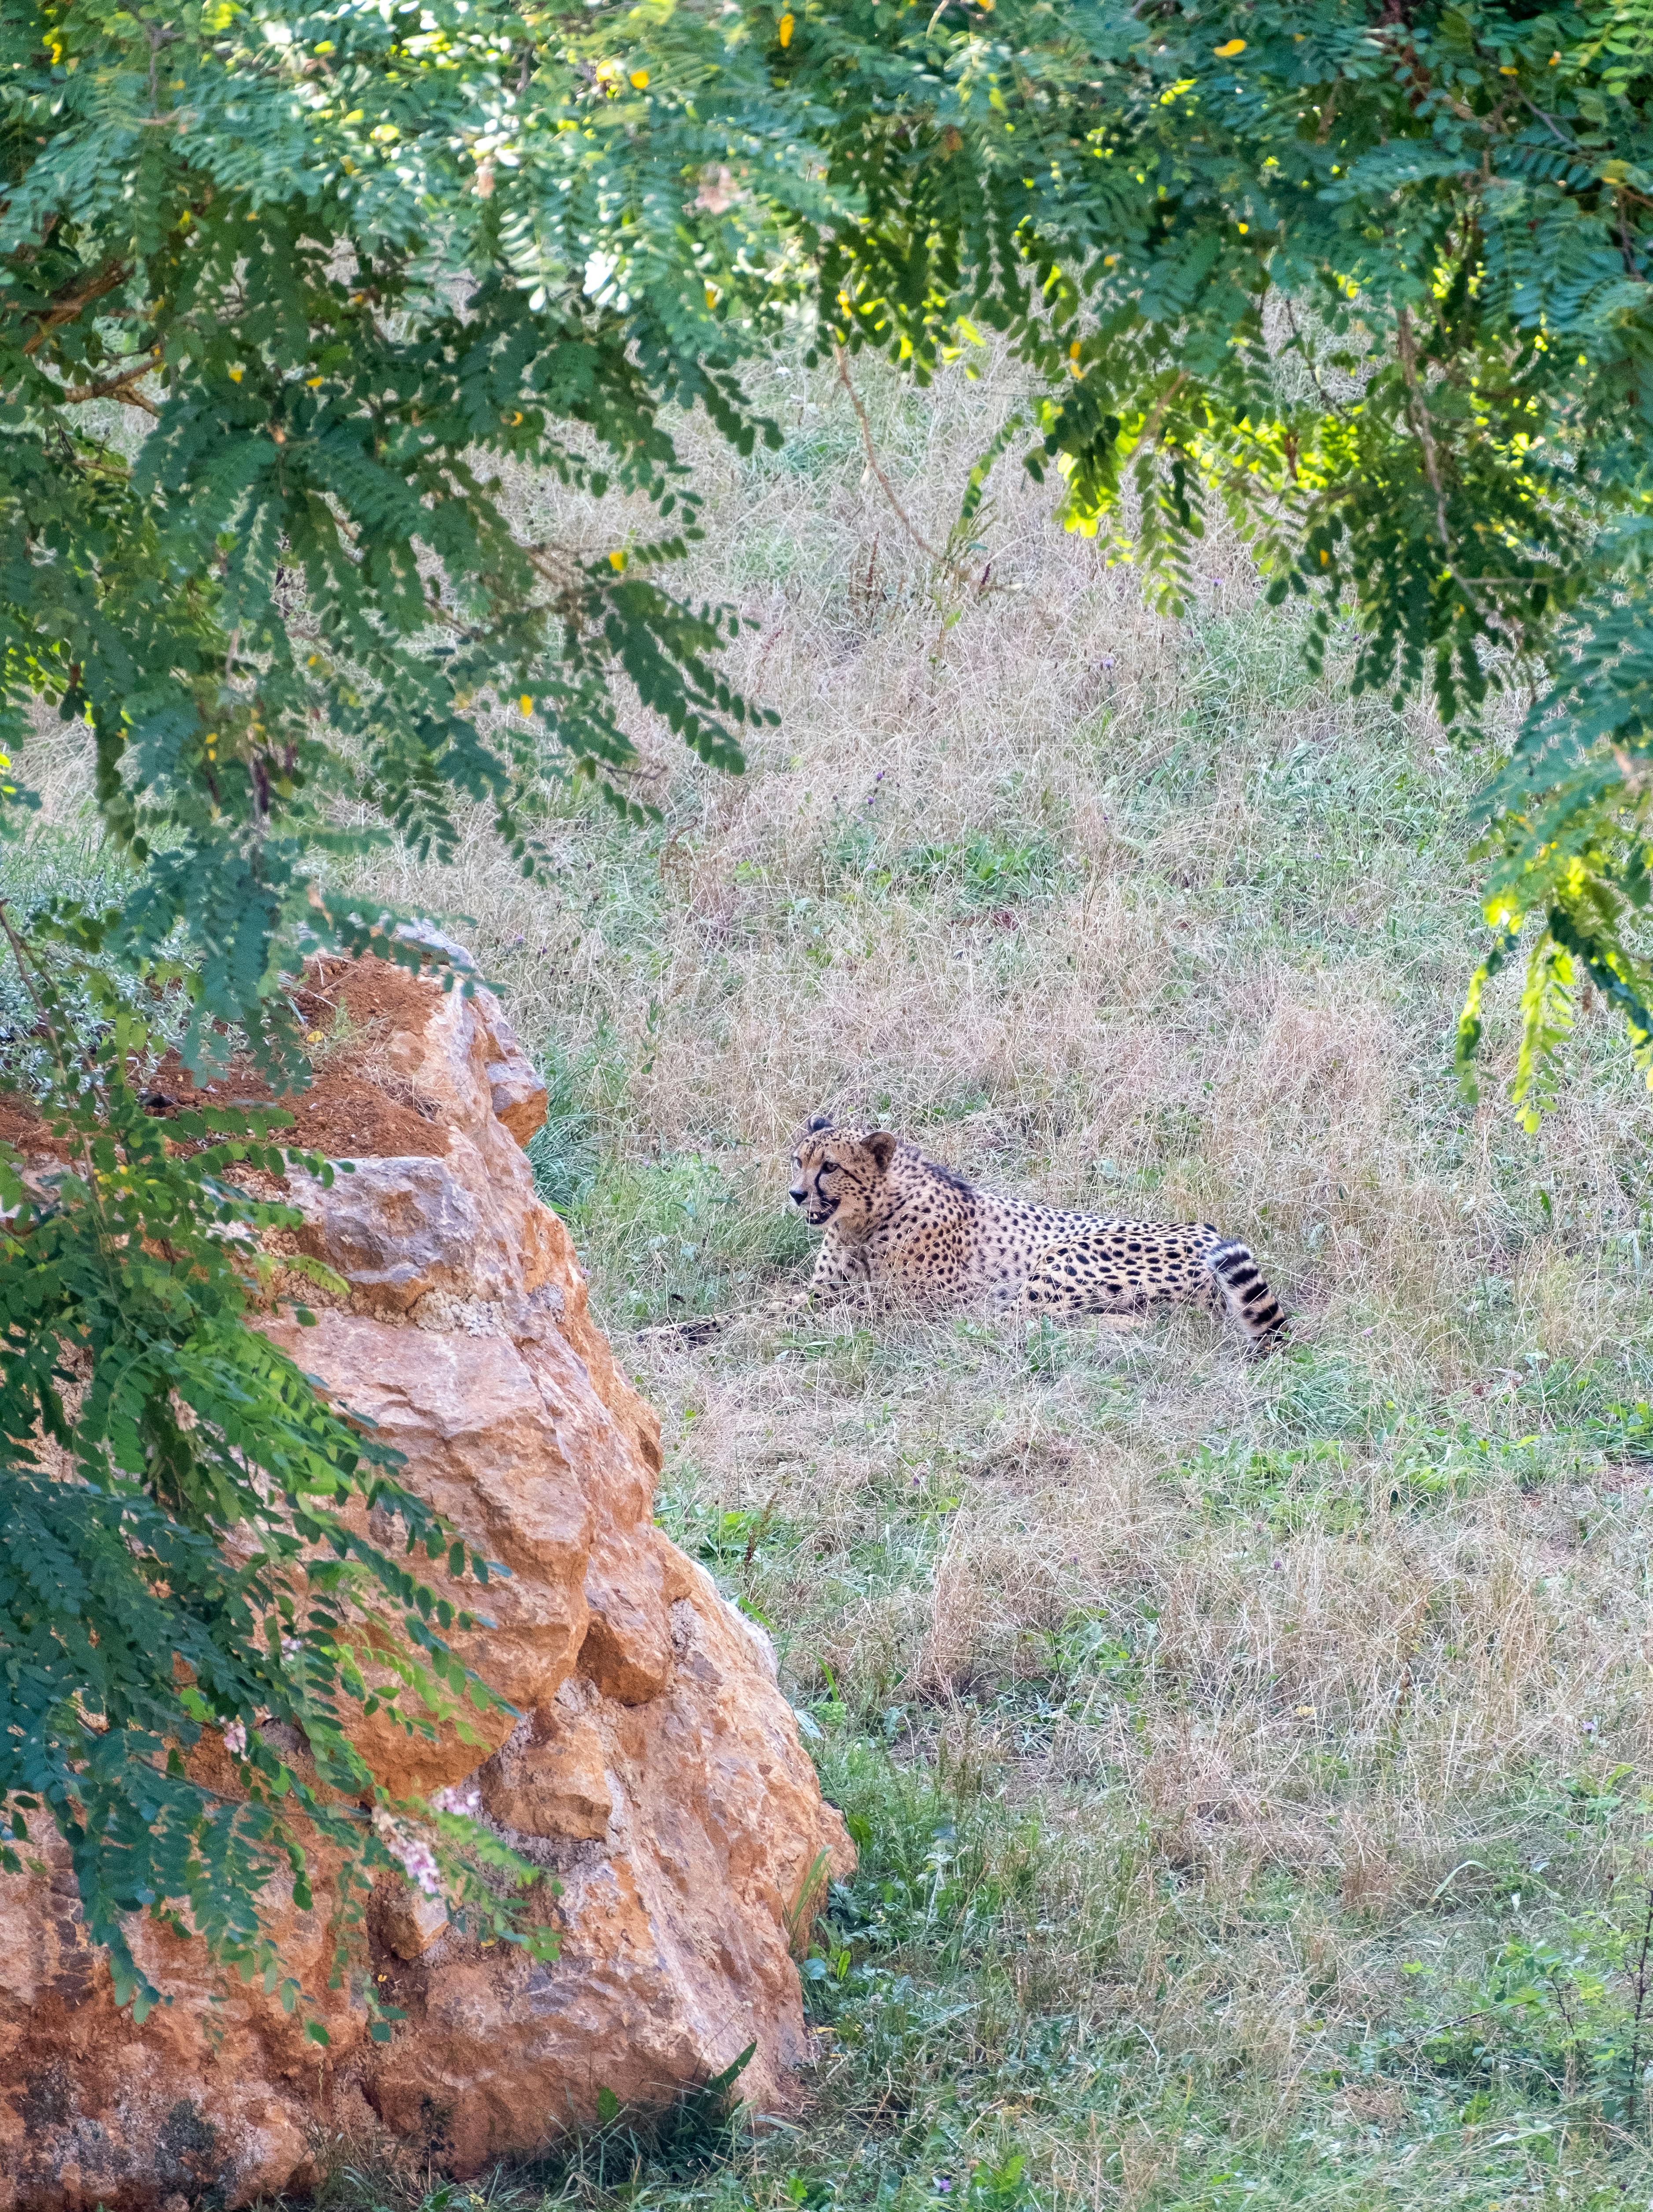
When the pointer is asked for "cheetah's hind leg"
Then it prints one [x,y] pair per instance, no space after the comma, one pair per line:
[702,1328]
[1067,1282]
[687,1333]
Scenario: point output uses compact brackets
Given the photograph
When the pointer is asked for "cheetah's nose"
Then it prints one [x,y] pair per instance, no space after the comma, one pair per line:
[796,1194]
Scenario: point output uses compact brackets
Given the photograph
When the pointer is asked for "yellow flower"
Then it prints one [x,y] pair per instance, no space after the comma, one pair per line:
[525,703]
[312,381]
[1305,1712]
[616,561]
[236,374]
[784,28]
[1227,53]
[639,78]
[314,1037]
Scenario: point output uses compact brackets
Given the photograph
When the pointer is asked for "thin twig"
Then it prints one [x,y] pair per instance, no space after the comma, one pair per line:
[1155,415]
[1418,415]
[1309,362]
[873,462]
[1561,138]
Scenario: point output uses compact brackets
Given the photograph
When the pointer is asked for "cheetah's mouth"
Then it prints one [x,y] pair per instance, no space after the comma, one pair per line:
[817,1216]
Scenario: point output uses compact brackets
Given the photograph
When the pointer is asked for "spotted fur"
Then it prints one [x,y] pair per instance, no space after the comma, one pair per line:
[895,1220]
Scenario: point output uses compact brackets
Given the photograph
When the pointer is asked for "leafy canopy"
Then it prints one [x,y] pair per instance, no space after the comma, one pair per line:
[292,298]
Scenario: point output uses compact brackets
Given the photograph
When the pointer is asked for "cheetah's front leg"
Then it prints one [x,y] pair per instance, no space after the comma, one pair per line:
[838,1272]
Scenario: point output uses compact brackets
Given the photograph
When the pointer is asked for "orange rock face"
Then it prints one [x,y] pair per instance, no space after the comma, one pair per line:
[655,1772]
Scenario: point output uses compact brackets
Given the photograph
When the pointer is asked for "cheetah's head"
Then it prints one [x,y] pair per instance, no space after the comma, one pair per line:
[838,1176]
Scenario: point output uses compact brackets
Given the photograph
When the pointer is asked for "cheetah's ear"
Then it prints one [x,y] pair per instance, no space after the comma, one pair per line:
[821,1122]
[883,1147]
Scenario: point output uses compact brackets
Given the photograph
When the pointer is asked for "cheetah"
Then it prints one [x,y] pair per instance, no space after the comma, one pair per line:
[898,1221]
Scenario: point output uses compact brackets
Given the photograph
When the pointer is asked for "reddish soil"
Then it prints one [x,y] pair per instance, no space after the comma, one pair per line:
[354,1109]
[349,1118]
[22,1128]
[370,991]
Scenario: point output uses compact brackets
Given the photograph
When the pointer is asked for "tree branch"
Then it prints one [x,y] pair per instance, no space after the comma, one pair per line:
[112,274]
[115,387]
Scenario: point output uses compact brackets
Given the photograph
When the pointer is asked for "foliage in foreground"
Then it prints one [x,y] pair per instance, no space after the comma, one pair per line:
[172,1558]
[349,268]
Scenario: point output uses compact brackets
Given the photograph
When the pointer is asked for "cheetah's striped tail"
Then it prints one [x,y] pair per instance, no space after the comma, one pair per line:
[1246,1294]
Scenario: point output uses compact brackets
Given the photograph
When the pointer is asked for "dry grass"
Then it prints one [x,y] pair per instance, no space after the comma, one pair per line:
[1214,1731]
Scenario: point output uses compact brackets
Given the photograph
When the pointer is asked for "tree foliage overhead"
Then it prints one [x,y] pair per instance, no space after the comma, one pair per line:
[1371,279]
[288,297]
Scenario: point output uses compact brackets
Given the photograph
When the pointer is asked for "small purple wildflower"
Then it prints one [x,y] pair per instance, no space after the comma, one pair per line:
[418,1860]
[466,1803]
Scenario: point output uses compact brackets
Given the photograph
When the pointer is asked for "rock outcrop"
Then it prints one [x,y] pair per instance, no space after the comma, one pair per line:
[655,1773]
